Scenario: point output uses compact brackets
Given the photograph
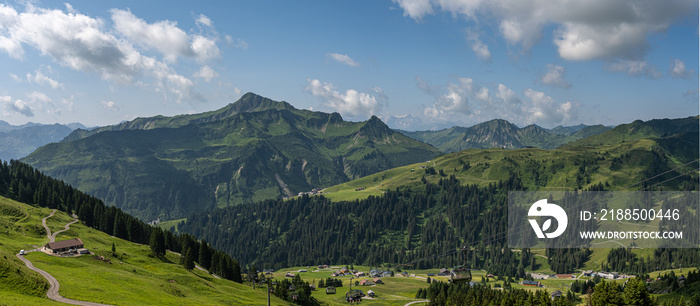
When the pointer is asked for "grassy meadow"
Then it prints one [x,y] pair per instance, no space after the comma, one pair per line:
[132,278]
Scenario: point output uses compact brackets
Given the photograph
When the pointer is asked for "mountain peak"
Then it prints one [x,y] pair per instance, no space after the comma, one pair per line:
[376,127]
[251,102]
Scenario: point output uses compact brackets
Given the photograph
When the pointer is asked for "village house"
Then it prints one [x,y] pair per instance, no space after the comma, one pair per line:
[531,283]
[556,294]
[65,245]
[608,275]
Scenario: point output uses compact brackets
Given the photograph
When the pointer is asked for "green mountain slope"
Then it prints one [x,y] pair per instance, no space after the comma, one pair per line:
[132,278]
[500,133]
[618,164]
[436,138]
[657,128]
[251,150]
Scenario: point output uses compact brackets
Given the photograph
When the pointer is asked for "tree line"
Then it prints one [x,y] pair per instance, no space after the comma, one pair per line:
[408,225]
[25,184]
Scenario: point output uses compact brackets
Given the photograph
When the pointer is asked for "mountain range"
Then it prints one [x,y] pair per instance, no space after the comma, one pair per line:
[500,133]
[251,150]
[17,141]
[411,213]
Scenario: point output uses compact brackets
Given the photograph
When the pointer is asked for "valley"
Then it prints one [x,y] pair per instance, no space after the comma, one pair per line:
[409,220]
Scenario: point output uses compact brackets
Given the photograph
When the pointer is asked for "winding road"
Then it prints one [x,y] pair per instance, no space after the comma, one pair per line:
[53,283]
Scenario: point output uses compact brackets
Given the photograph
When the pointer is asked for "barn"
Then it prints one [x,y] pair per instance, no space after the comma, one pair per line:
[65,245]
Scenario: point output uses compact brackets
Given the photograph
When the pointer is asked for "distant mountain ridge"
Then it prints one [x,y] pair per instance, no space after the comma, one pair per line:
[638,129]
[253,149]
[499,133]
[17,141]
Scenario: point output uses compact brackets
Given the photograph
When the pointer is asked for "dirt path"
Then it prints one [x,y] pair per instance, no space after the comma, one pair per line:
[416,302]
[54,286]
[195,265]
[67,227]
[53,282]
[48,231]
[212,274]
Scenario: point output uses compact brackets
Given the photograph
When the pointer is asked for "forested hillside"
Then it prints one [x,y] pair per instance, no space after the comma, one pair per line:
[25,184]
[251,150]
[412,214]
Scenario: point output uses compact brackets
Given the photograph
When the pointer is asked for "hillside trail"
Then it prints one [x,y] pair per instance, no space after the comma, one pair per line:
[53,282]
[416,302]
[196,265]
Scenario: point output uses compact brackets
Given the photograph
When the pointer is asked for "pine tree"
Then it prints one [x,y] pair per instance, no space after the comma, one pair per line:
[189,260]
[636,293]
[157,242]
[204,255]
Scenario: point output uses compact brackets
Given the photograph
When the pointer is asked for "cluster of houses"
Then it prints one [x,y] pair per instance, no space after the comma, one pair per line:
[603,274]
[314,191]
[154,222]
[370,282]
[344,271]
[606,275]
[446,272]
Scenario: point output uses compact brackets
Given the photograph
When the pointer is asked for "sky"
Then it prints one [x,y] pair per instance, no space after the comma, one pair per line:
[417,64]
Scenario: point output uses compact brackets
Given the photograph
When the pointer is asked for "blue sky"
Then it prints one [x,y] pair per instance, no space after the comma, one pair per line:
[417,64]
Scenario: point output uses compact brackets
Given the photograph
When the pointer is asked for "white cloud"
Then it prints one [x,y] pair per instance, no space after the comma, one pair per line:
[455,100]
[41,101]
[584,29]
[206,73]
[15,77]
[677,70]
[416,9]
[470,100]
[38,97]
[344,59]
[555,76]
[351,102]
[424,86]
[635,68]
[41,79]
[236,42]
[507,95]
[69,102]
[82,43]
[544,110]
[16,106]
[110,105]
[166,37]
[203,20]
[480,49]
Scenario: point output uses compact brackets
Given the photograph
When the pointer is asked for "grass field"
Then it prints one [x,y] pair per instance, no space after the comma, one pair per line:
[167,225]
[484,166]
[133,277]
